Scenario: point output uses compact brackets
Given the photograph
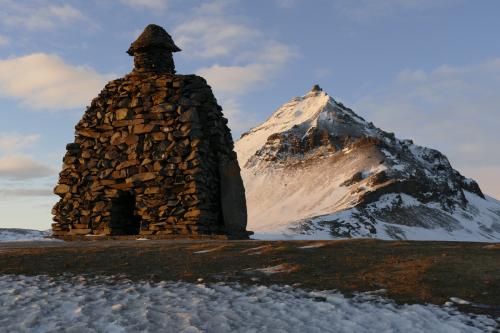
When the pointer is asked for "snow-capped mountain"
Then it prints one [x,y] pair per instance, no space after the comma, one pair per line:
[315,169]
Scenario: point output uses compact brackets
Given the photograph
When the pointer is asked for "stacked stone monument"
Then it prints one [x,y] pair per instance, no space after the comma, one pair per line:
[152,156]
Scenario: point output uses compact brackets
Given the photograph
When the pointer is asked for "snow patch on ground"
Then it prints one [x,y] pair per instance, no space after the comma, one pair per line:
[255,249]
[459,300]
[312,246]
[281,268]
[24,235]
[79,304]
[209,250]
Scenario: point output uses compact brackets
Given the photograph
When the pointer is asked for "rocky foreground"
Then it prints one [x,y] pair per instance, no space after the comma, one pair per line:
[413,272]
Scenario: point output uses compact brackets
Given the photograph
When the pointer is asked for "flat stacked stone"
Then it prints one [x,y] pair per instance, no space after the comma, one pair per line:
[152,156]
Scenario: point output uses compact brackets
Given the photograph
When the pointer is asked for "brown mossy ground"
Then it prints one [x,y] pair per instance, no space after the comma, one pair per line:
[410,271]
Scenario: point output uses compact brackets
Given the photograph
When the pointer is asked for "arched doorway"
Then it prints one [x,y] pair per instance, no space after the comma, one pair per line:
[123,218]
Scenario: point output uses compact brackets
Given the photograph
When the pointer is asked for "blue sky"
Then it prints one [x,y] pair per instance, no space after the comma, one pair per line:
[427,70]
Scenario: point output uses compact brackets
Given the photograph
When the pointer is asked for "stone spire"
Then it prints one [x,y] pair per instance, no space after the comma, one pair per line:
[316,88]
[152,51]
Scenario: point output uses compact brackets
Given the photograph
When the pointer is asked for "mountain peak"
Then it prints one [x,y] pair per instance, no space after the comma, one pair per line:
[315,168]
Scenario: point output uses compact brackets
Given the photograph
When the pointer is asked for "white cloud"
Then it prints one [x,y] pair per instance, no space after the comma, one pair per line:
[15,141]
[19,167]
[65,13]
[212,36]
[44,81]
[147,4]
[233,79]
[25,192]
[239,57]
[453,109]
[237,80]
[240,119]
[4,40]
[36,15]
[368,9]
[231,82]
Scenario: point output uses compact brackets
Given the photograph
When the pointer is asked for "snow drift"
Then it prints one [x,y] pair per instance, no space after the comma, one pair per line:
[83,304]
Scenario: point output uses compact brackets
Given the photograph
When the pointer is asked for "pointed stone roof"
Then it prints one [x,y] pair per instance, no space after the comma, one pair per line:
[153,37]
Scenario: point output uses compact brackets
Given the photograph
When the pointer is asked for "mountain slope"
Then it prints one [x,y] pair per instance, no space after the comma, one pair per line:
[315,169]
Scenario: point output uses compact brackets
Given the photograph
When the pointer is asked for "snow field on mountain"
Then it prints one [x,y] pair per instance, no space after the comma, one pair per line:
[297,111]
[460,228]
[80,304]
[275,196]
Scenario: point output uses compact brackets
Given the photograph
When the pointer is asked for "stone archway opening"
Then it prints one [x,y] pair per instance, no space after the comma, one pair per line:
[124,221]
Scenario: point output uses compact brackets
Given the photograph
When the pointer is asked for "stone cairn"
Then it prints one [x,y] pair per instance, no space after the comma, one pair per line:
[152,156]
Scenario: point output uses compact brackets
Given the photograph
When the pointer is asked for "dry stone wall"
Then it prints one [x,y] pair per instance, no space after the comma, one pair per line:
[148,158]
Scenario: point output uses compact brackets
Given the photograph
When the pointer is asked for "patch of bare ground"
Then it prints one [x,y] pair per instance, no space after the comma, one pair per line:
[405,276]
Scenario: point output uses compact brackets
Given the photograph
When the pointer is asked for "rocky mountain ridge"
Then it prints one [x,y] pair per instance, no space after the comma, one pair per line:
[317,168]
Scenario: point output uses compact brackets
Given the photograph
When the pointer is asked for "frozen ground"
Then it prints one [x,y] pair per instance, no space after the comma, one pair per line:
[42,304]
[15,234]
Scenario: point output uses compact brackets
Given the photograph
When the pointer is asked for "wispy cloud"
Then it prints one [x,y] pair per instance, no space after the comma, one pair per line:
[21,167]
[38,15]
[44,81]
[213,35]
[370,9]
[16,141]
[4,40]
[455,109]
[147,4]
[25,192]
[239,56]
[240,79]
[15,165]
[65,13]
